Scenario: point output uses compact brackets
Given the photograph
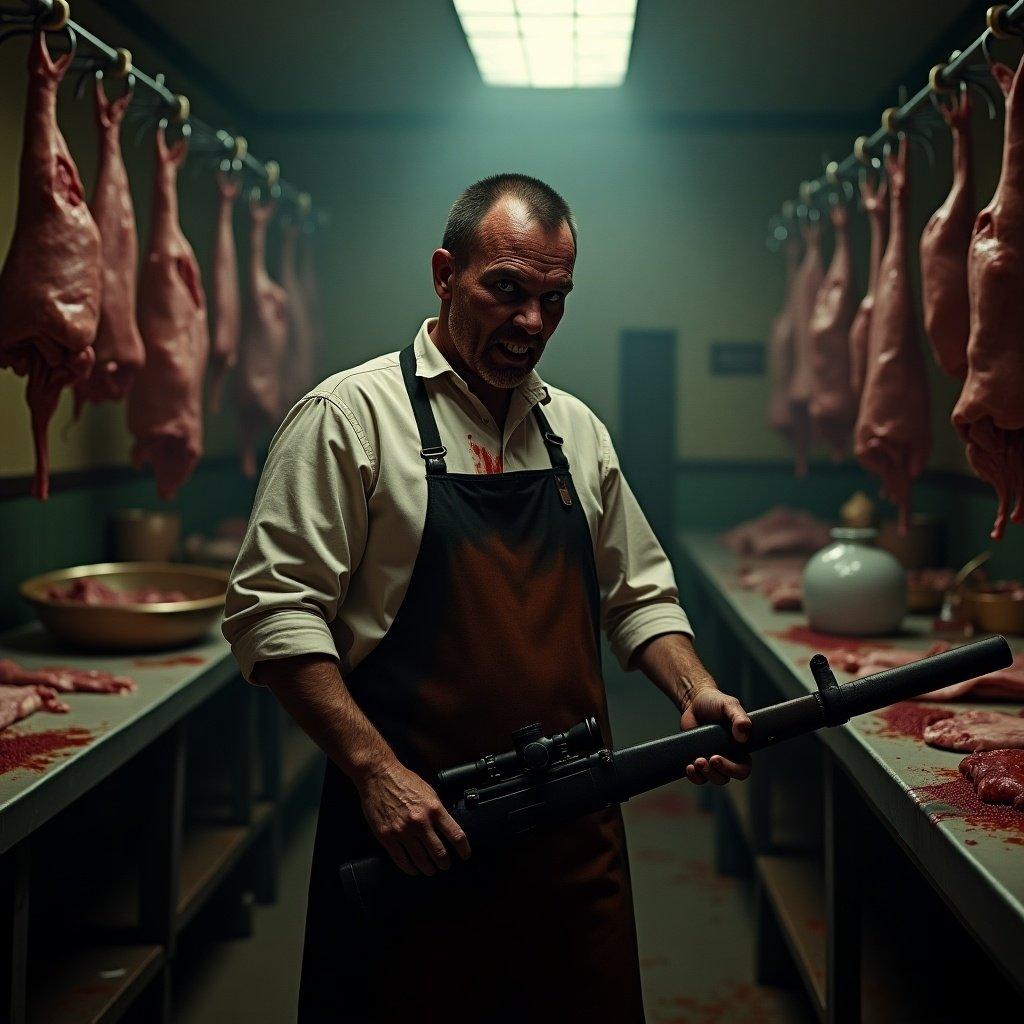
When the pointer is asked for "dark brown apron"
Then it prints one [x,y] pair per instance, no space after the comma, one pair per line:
[499,628]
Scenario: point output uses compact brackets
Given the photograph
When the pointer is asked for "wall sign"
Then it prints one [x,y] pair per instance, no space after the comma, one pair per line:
[737,358]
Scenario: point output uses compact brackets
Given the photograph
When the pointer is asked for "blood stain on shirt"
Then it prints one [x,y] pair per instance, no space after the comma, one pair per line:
[485,462]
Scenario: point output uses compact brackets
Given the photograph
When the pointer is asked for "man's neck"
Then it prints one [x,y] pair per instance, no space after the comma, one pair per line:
[495,400]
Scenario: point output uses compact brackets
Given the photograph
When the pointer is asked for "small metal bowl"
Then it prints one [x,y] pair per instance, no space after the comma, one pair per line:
[923,599]
[995,610]
[135,627]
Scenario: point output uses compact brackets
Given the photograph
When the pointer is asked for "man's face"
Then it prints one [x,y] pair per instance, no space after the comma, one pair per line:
[508,299]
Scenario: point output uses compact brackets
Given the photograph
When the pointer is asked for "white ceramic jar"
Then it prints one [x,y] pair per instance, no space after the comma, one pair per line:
[852,588]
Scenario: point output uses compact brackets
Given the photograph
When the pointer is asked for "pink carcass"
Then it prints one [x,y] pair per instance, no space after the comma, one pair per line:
[893,432]
[120,353]
[989,415]
[833,403]
[165,408]
[50,284]
[944,247]
[876,205]
[227,303]
[780,354]
[809,276]
[298,367]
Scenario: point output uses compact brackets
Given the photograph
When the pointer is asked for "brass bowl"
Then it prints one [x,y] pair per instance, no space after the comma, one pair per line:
[995,611]
[136,627]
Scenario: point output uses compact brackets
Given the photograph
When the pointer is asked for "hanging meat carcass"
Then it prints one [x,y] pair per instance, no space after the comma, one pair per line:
[311,293]
[50,283]
[944,246]
[165,408]
[298,369]
[227,304]
[264,343]
[833,405]
[119,350]
[809,276]
[893,433]
[989,415]
[781,348]
[876,205]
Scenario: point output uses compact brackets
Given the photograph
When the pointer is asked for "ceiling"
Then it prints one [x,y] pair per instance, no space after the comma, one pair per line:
[314,64]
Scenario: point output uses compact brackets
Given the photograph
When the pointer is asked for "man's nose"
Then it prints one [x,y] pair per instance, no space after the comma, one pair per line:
[528,317]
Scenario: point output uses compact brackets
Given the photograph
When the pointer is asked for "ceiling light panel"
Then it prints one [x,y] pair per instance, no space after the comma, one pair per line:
[549,44]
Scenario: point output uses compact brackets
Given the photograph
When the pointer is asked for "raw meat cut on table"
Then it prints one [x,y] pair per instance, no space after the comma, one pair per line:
[227,303]
[781,349]
[782,587]
[893,434]
[1003,684]
[778,531]
[876,205]
[997,776]
[165,408]
[264,342]
[120,353]
[944,246]
[18,702]
[50,283]
[833,404]
[298,368]
[93,592]
[989,415]
[972,731]
[66,680]
[809,276]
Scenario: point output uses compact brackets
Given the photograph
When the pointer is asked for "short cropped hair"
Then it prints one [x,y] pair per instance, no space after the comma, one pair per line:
[543,202]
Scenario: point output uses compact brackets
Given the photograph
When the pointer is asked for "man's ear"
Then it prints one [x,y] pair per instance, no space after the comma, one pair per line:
[442,264]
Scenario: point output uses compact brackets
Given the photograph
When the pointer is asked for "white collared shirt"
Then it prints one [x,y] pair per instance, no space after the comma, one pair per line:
[339,512]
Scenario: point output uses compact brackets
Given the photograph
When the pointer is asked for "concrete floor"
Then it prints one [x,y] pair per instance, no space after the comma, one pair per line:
[695,927]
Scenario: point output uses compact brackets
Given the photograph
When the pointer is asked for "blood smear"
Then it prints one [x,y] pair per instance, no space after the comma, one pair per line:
[826,641]
[908,719]
[964,803]
[181,659]
[36,751]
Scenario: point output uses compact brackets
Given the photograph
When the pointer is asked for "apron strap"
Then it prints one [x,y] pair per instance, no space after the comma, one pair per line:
[431,450]
[552,441]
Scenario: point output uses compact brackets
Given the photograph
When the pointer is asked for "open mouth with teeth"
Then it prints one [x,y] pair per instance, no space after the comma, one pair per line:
[512,352]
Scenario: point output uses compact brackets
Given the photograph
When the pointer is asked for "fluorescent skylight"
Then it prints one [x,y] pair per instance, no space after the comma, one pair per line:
[549,44]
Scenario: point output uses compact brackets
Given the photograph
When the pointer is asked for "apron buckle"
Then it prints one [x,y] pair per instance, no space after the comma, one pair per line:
[553,438]
[434,458]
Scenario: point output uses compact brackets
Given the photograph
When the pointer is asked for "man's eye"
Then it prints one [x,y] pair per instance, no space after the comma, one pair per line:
[506,286]
[555,298]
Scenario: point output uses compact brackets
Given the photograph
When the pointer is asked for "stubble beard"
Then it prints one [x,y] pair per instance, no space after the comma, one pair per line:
[461,330]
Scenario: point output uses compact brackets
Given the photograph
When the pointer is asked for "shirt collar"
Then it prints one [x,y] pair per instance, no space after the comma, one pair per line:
[430,362]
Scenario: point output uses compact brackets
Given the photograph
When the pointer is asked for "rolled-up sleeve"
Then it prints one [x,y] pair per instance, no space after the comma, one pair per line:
[639,597]
[306,534]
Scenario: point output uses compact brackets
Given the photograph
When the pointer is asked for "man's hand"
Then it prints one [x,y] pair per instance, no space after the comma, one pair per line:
[707,706]
[409,820]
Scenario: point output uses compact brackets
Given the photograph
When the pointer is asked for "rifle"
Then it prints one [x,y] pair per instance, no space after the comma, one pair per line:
[545,781]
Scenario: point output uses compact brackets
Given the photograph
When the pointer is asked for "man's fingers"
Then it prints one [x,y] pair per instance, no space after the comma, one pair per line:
[419,856]
[695,776]
[399,856]
[732,769]
[452,831]
[738,717]
[435,847]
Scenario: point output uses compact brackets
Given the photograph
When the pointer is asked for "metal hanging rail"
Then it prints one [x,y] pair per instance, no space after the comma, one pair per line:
[1004,20]
[232,150]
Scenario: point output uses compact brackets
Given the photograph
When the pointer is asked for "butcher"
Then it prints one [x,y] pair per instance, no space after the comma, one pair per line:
[437,539]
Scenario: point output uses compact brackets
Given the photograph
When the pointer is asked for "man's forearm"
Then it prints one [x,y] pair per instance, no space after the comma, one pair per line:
[672,664]
[310,688]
